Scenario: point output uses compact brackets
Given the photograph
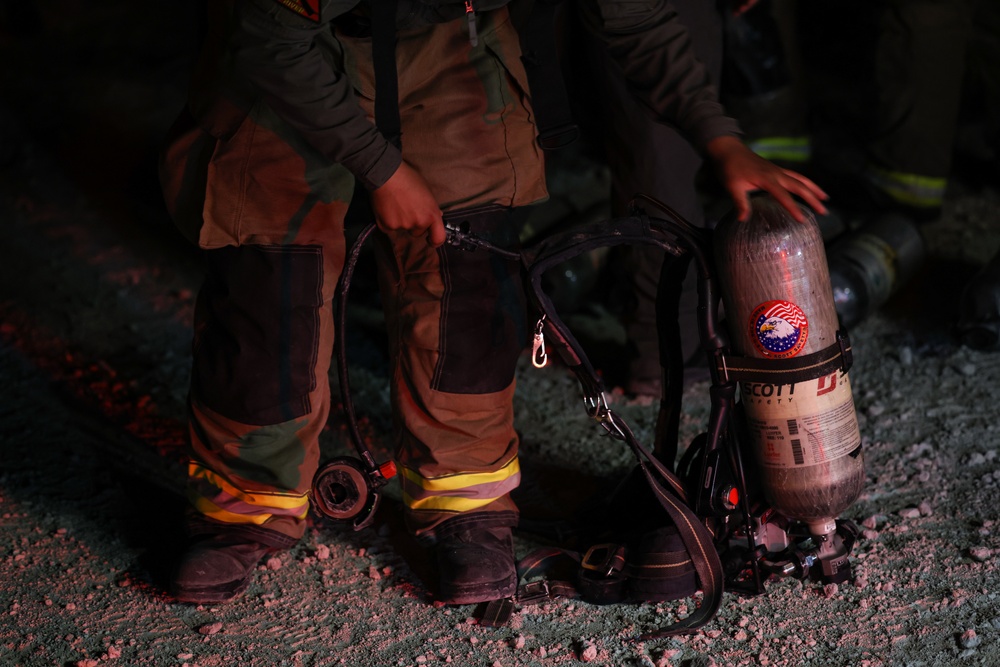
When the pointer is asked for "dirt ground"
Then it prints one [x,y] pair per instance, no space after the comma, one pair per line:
[96,296]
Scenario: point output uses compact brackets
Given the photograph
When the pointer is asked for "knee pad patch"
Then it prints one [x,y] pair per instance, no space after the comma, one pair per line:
[483,313]
[256,344]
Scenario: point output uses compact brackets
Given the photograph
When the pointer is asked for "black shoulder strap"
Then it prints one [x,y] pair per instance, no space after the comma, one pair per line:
[666,487]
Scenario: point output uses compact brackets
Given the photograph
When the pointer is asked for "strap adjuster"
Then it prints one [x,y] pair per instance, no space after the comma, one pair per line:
[533,592]
[606,559]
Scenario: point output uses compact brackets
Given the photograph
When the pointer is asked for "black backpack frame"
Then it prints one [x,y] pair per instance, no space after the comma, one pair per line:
[729,545]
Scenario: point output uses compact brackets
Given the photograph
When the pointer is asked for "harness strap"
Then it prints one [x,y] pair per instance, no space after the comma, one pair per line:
[671,357]
[667,488]
[558,249]
[697,539]
[836,356]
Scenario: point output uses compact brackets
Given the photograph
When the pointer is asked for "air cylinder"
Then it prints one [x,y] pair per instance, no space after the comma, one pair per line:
[869,265]
[775,285]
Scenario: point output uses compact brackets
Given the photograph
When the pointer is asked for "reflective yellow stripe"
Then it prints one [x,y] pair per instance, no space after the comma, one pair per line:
[277,500]
[446,503]
[911,189]
[211,510]
[462,480]
[788,149]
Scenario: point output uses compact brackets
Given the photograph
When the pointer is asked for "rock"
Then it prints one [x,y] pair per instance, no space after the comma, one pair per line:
[667,657]
[210,628]
[969,639]
[588,652]
[980,554]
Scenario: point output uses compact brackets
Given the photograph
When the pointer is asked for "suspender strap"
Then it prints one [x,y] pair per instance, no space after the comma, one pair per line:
[549,99]
[384,65]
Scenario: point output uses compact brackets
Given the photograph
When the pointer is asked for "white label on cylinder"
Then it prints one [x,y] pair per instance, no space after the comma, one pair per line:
[802,424]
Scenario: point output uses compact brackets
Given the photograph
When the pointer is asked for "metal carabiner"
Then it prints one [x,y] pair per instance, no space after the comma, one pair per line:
[597,408]
[538,355]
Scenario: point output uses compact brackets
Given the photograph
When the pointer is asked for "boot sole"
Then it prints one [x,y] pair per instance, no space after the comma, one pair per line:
[211,594]
[480,592]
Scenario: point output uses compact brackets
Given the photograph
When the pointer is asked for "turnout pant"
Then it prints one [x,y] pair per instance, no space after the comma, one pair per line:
[269,212]
[927,51]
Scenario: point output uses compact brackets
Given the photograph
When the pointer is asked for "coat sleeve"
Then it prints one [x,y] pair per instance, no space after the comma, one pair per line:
[278,52]
[653,48]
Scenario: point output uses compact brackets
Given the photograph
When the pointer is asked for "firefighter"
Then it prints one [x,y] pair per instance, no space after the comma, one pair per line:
[933,64]
[259,171]
[926,52]
[658,159]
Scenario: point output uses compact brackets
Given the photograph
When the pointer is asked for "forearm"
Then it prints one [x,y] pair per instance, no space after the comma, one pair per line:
[277,52]
[653,48]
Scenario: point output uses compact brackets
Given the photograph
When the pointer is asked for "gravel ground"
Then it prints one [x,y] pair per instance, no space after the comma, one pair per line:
[96,293]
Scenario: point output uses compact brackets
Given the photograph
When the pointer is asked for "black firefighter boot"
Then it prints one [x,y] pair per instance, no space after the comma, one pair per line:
[475,562]
[219,561]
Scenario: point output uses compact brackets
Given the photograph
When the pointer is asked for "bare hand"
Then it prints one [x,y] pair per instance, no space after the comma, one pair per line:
[405,203]
[742,171]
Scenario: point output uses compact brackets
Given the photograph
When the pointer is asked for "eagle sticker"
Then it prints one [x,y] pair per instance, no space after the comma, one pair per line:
[779,329]
[306,8]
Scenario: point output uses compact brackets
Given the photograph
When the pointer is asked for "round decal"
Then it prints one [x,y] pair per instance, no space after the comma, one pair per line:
[779,329]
